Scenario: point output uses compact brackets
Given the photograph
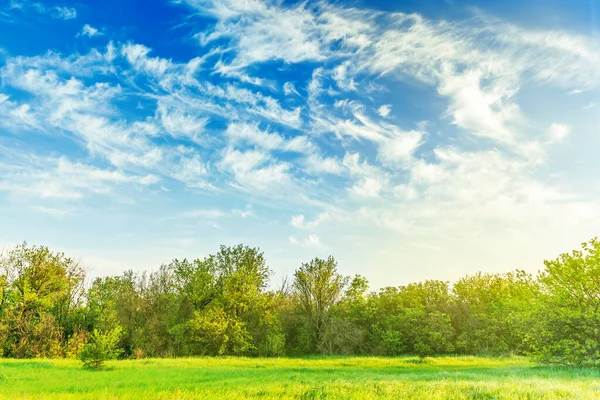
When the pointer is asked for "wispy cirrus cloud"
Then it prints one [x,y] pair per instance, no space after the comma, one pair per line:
[55,11]
[61,179]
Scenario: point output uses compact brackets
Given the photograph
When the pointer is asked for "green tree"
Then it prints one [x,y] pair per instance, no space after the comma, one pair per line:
[318,288]
[102,346]
[491,312]
[566,327]
[350,319]
[231,312]
[42,294]
[118,303]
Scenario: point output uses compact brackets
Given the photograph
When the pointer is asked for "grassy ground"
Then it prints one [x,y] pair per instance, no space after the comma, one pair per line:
[321,378]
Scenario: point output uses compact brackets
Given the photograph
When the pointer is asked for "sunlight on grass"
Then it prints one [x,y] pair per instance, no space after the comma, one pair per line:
[303,378]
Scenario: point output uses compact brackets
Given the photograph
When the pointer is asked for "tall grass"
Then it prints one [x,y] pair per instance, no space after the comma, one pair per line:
[302,378]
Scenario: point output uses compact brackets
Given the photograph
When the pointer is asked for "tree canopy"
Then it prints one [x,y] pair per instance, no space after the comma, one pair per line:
[222,304]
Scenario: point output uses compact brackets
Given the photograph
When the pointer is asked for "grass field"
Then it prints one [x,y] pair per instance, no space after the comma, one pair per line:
[319,378]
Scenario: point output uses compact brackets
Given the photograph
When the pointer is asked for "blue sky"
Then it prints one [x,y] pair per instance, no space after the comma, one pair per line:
[412,141]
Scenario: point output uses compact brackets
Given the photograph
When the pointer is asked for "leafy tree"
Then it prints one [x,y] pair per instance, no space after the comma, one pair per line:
[231,312]
[317,288]
[103,346]
[243,274]
[489,311]
[567,322]
[221,305]
[117,303]
[350,319]
[412,319]
[41,295]
[161,312]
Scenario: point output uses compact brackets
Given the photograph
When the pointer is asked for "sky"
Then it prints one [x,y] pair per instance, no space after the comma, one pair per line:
[410,140]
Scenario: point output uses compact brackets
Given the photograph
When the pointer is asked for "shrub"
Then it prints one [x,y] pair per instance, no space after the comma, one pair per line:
[423,350]
[273,345]
[101,347]
[138,354]
[76,343]
[393,342]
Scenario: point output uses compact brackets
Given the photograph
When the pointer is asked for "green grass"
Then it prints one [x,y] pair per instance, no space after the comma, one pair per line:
[318,378]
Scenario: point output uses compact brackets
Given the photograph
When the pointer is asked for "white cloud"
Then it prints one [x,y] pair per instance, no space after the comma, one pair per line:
[424,173]
[214,214]
[89,31]
[252,134]
[244,213]
[255,170]
[385,110]
[87,113]
[300,222]
[56,12]
[483,112]
[65,13]
[191,171]
[311,241]
[181,124]
[401,148]
[558,132]
[317,165]
[368,187]
[262,31]
[61,179]
[210,213]
[343,81]
[406,192]
[289,88]
[137,55]
[357,168]
[257,104]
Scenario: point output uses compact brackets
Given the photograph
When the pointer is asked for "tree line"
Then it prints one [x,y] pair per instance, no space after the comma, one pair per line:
[222,305]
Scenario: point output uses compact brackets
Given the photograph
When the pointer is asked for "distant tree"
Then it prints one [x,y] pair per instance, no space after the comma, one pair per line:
[221,305]
[317,288]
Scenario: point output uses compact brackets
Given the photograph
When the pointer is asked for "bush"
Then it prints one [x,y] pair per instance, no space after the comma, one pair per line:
[76,343]
[273,345]
[393,342]
[101,347]
[423,350]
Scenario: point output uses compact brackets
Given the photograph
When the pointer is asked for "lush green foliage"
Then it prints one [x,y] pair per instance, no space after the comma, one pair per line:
[101,347]
[452,378]
[42,303]
[567,325]
[221,305]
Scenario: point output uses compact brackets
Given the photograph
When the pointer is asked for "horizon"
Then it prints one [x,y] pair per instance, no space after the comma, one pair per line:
[409,141]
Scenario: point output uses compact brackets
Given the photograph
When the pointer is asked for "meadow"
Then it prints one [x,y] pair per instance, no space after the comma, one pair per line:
[298,378]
